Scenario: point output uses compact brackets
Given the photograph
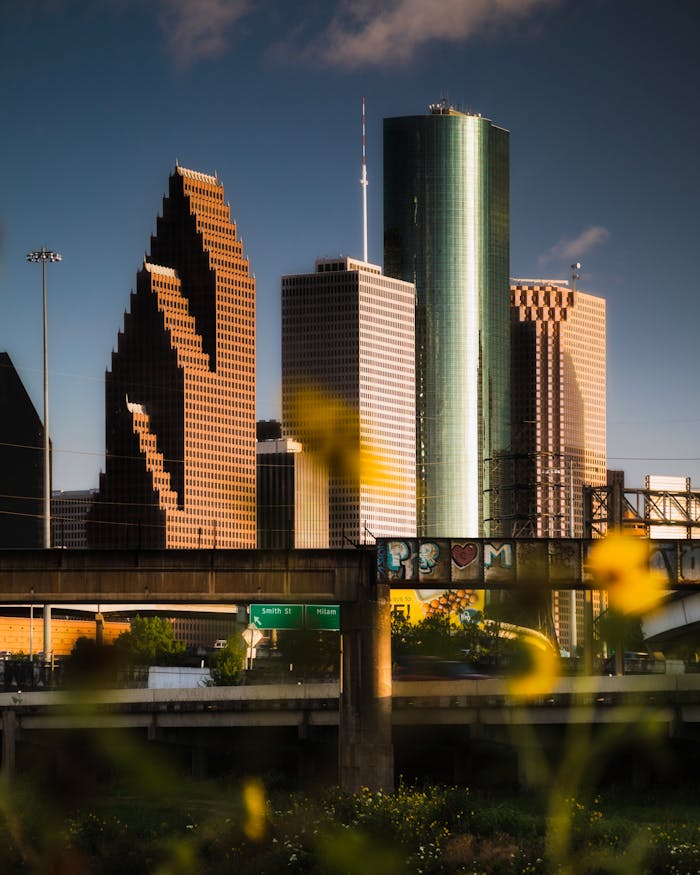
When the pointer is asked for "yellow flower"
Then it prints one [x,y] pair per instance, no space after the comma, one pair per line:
[330,427]
[255,804]
[619,564]
[544,671]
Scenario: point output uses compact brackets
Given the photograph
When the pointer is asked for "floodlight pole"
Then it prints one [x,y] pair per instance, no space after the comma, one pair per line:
[43,255]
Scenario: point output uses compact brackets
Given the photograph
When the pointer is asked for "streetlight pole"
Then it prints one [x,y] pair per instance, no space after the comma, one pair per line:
[43,255]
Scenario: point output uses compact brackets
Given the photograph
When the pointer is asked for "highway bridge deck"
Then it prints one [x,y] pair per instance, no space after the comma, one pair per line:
[487,701]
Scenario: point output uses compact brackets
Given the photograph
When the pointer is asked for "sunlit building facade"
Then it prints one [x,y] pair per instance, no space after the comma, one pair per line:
[348,392]
[292,497]
[559,404]
[559,416]
[180,394]
[446,229]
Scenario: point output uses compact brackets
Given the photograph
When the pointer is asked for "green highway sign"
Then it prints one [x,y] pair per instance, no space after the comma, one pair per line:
[323,617]
[295,617]
[277,616]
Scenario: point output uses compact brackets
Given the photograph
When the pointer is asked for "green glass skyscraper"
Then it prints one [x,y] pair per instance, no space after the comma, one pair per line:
[446,229]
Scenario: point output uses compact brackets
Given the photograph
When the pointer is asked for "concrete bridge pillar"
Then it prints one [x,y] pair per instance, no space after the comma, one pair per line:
[366,752]
[99,629]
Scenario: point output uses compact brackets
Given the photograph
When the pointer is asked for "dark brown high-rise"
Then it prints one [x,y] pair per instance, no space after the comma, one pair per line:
[21,462]
[180,396]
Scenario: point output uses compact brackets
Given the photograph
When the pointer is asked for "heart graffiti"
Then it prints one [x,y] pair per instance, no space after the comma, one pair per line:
[464,554]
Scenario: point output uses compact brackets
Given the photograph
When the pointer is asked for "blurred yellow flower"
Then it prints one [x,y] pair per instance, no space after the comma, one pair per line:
[255,805]
[330,427]
[543,673]
[619,564]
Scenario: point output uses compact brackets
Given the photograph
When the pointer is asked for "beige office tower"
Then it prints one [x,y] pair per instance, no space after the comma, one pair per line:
[558,417]
[292,497]
[348,392]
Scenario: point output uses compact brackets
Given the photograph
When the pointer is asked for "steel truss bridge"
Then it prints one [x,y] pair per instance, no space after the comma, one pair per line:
[617,506]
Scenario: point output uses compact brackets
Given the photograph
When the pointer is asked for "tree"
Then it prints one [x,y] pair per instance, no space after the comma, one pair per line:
[480,642]
[226,665]
[150,641]
[433,636]
[91,664]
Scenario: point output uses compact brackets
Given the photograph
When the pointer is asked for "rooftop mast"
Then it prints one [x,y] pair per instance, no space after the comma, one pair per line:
[363,183]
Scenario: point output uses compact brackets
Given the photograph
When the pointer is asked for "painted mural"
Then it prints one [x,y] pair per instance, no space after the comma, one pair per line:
[435,560]
[466,565]
[445,561]
[462,606]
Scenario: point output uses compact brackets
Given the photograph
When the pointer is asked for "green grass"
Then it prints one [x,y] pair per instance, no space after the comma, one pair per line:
[203,829]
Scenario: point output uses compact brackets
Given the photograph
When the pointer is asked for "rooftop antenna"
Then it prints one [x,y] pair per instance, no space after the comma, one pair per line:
[363,183]
[575,275]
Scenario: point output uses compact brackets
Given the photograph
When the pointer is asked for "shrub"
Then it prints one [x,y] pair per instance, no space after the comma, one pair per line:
[227,664]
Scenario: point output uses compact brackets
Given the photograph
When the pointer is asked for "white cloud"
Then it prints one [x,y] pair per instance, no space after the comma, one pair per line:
[575,247]
[199,29]
[390,31]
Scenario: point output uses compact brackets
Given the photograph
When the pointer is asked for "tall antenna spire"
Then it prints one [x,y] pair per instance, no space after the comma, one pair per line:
[363,183]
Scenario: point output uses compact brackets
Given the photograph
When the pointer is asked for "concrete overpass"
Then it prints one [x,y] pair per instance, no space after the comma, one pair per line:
[184,576]
[489,701]
[345,577]
[359,580]
[478,709]
[336,576]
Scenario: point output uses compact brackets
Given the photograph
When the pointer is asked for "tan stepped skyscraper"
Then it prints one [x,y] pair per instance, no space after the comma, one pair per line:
[180,395]
[558,419]
[559,390]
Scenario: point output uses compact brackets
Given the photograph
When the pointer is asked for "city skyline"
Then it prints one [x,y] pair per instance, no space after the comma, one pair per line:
[100,106]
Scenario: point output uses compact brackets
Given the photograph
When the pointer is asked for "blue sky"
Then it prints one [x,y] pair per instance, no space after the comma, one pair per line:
[99,98]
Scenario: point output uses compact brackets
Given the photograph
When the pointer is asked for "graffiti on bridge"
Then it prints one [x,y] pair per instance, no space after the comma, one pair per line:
[484,562]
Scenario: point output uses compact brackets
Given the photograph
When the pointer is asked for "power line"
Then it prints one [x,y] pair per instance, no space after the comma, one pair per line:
[653,459]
